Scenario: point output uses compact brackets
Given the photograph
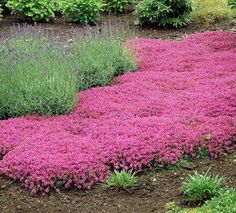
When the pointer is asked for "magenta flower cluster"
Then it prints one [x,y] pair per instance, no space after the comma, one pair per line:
[183,92]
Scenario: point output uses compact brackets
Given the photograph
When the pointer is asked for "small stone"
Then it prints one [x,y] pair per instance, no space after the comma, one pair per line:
[18,207]
[3,186]
[189,167]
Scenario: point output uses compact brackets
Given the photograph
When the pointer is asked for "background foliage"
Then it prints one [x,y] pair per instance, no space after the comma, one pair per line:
[82,11]
[40,10]
[210,11]
[163,12]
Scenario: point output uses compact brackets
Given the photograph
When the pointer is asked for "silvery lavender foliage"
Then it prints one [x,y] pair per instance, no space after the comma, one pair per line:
[36,76]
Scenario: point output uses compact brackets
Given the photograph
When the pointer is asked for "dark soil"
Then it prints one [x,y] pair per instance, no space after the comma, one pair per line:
[155,187]
[124,20]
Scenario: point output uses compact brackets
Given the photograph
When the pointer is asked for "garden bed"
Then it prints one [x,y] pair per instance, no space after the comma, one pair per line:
[181,99]
[126,21]
[155,188]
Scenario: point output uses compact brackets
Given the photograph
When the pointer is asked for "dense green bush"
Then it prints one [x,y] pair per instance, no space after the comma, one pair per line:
[211,11]
[201,187]
[82,11]
[99,59]
[116,6]
[163,12]
[35,78]
[40,10]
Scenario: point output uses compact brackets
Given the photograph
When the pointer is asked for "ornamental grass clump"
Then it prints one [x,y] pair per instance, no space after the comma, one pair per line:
[202,187]
[35,78]
[122,179]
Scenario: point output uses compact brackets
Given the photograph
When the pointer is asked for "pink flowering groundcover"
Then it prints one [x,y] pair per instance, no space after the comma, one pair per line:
[182,92]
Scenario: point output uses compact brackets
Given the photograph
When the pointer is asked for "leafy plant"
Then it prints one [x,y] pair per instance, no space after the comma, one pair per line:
[116,6]
[211,11]
[232,4]
[163,12]
[40,10]
[82,11]
[201,187]
[122,179]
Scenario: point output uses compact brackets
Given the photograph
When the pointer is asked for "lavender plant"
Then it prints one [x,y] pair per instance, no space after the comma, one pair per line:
[100,58]
[41,75]
[35,78]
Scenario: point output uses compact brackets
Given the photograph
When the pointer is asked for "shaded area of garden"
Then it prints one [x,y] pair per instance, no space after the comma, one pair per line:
[182,98]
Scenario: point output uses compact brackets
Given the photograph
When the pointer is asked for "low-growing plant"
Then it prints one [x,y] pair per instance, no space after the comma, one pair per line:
[211,11]
[40,10]
[116,6]
[122,179]
[82,11]
[163,12]
[224,203]
[35,78]
[201,187]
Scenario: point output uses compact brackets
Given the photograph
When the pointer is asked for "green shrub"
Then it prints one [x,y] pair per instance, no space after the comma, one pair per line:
[163,12]
[122,180]
[35,78]
[40,10]
[211,11]
[198,187]
[232,4]
[82,11]
[99,59]
[116,6]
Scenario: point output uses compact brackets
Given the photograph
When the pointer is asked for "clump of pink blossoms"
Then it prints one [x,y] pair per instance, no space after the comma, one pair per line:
[183,91]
